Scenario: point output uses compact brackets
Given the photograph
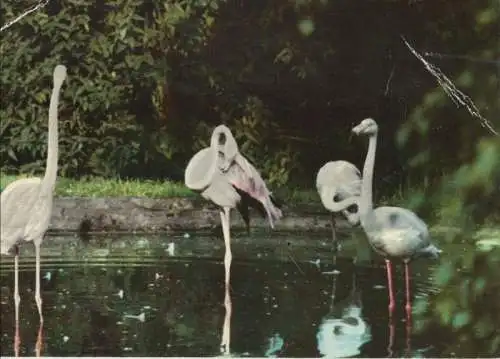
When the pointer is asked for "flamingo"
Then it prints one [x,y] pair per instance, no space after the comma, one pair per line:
[393,232]
[225,177]
[26,204]
[336,181]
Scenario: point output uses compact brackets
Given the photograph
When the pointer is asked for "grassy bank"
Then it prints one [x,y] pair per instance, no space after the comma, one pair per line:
[100,187]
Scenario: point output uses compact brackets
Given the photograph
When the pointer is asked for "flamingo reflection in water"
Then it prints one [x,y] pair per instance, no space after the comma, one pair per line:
[222,175]
[226,326]
[38,344]
[343,330]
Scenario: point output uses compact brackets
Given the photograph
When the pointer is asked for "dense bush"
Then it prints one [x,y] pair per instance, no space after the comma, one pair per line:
[115,111]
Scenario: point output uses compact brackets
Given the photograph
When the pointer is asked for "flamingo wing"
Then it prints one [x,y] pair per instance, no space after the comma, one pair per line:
[245,177]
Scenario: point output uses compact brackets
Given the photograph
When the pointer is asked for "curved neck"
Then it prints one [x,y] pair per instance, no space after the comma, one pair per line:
[49,179]
[366,202]
[334,206]
[213,152]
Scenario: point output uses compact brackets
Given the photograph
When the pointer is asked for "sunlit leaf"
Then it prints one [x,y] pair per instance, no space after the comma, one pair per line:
[445,310]
[306,27]
[461,319]
[444,273]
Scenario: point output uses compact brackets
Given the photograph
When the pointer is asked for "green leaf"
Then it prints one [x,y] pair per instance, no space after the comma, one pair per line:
[460,320]
[306,27]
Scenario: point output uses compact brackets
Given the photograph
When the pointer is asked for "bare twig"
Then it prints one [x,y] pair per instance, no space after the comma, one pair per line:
[27,12]
[460,57]
[458,97]
[388,83]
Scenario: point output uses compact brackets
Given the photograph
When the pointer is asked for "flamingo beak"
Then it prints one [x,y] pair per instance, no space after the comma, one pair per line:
[356,130]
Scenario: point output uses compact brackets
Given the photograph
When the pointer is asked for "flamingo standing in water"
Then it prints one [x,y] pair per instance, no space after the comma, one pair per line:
[224,176]
[26,204]
[393,232]
[336,181]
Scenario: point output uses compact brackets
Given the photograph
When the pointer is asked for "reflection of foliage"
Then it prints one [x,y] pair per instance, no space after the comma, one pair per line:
[467,306]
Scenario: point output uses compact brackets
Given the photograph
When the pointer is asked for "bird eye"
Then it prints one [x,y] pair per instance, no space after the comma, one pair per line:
[353,208]
[337,198]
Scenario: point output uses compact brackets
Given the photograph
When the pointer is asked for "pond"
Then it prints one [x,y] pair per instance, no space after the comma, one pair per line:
[164,296]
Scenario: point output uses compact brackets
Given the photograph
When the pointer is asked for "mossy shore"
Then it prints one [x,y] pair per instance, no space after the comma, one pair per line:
[96,205]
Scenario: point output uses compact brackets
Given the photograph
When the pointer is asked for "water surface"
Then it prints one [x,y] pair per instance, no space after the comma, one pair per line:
[141,296]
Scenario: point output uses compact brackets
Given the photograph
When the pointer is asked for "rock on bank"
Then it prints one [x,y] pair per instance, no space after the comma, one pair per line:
[137,214]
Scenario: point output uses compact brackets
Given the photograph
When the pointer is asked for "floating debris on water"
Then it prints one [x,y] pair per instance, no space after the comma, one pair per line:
[186,235]
[316,262]
[141,317]
[275,344]
[333,272]
[171,249]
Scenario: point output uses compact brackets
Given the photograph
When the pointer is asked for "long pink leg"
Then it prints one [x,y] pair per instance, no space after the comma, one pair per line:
[38,297]
[408,297]
[408,338]
[392,331]
[17,341]
[39,341]
[408,307]
[226,330]
[388,265]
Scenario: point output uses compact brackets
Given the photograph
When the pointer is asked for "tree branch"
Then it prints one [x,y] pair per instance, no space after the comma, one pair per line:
[458,97]
[27,12]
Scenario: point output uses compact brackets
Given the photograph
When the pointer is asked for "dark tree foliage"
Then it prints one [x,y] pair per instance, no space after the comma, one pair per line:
[147,82]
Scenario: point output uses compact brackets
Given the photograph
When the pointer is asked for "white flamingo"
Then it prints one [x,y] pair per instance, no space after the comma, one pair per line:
[224,176]
[26,204]
[393,232]
[336,181]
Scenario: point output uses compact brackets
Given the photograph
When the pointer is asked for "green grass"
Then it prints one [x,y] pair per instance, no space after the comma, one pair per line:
[100,187]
